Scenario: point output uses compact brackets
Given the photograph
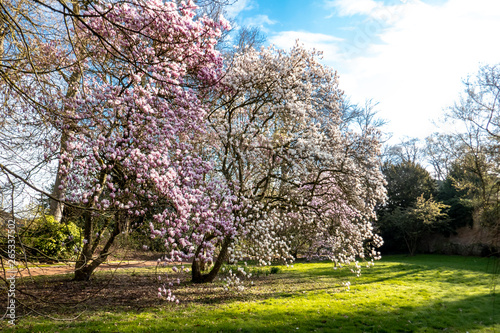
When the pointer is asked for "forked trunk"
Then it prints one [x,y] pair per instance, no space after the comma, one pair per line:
[198,277]
[85,265]
[411,243]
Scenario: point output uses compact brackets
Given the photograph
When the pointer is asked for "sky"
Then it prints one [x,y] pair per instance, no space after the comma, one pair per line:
[409,56]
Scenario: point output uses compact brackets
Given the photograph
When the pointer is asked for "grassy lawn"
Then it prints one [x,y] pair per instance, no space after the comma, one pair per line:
[426,293]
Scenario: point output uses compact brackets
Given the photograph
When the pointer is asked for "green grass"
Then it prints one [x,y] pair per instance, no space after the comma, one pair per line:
[400,294]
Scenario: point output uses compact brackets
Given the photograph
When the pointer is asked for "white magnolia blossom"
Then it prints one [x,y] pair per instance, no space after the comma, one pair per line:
[299,174]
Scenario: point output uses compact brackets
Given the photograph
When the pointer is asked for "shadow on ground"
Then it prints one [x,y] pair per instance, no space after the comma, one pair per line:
[131,294]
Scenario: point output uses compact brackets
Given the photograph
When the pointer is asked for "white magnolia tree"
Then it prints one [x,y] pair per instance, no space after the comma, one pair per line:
[298,173]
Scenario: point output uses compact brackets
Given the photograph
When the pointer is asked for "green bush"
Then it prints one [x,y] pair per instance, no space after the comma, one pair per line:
[274,270]
[49,238]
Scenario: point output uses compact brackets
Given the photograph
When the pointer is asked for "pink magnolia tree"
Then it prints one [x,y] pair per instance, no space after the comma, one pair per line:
[126,148]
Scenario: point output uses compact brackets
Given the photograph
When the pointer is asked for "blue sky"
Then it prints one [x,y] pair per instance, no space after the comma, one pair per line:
[411,56]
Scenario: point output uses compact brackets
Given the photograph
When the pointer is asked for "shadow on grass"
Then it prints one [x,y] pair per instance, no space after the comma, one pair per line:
[130,295]
[489,265]
[462,315]
[137,291]
[449,269]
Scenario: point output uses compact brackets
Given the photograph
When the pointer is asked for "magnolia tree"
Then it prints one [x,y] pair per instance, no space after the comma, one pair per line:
[139,118]
[122,118]
[277,141]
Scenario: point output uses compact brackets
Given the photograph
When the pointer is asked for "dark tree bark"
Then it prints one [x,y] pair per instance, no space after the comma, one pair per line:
[196,272]
[85,265]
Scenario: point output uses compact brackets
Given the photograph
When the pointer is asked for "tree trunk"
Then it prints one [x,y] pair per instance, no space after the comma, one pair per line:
[83,274]
[56,206]
[3,33]
[411,243]
[198,277]
[85,265]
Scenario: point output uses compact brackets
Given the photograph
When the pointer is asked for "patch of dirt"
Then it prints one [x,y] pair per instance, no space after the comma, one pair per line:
[57,296]
[24,271]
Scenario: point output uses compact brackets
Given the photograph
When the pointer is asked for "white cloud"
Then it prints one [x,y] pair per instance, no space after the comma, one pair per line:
[372,9]
[239,6]
[259,21]
[410,56]
[352,7]
[322,42]
[425,53]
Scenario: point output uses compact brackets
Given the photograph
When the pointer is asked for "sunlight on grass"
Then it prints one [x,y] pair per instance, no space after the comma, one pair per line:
[399,294]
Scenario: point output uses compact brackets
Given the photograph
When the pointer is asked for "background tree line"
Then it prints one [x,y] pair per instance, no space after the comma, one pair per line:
[464,188]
